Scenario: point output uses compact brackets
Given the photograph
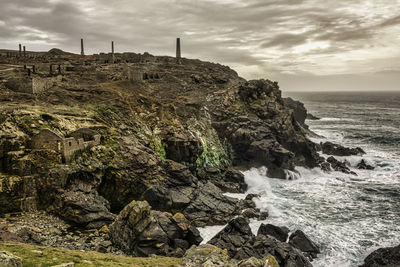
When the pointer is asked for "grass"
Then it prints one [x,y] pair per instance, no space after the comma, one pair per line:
[54,256]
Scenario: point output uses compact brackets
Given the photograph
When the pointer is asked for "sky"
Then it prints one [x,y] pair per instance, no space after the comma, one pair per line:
[307,45]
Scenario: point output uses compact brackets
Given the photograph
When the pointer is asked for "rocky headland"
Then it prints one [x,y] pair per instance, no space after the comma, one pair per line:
[129,158]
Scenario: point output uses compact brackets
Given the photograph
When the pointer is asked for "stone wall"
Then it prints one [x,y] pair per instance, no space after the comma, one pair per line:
[32,85]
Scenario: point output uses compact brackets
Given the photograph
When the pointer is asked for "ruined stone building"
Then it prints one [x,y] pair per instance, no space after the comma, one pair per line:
[76,141]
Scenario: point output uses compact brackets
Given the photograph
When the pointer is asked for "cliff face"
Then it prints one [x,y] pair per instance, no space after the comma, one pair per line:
[175,139]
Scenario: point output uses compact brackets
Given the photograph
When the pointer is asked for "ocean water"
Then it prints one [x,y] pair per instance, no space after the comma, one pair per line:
[347,216]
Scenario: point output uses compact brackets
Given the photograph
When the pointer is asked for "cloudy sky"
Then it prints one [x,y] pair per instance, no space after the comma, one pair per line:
[304,44]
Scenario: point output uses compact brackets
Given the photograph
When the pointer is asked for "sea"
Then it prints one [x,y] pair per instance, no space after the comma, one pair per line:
[347,216]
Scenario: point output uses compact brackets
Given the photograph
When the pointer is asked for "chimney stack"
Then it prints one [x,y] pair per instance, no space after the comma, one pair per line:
[112,52]
[82,51]
[178,48]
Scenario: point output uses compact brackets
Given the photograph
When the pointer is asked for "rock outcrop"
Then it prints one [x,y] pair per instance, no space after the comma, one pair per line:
[241,243]
[139,230]
[330,148]
[340,166]
[280,233]
[383,257]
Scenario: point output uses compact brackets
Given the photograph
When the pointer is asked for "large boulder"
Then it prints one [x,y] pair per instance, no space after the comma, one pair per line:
[233,236]
[301,241]
[9,260]
[182,147]
[228,180]
[140,231]
[280,233]
[383,257]
[330,148]
[84,209]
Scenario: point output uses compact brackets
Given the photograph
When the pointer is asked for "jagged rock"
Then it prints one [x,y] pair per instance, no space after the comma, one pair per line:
[9,260]
[233,236]
[207,255]
[326,167]
[280,233]
[364,166]
[140,231]
[330,148]
[284,253]
[240,243]
[301,241]
[252,213]
[210,206]
[339,166]
[312,117]
[228,180]
[299,111]
[389,257]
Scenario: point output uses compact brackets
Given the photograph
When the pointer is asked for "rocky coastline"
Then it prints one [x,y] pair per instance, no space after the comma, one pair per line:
[170,148]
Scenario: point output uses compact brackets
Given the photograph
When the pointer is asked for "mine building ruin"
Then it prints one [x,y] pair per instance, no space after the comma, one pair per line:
[76,141]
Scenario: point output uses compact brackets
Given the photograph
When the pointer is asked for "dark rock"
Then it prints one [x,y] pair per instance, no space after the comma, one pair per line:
[140,231]
[326,167]
[254,213]
[364,166]
[284,253]
[228,180]
[339,166]
[240,243]
[88,210]
[182,147]
[330,148]
[312,117]
[233,236]
[301,241]
[389,257]
[299,111]
[280,233]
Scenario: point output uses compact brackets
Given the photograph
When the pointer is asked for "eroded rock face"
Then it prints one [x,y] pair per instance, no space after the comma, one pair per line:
[330,148]
[140,231]
[383,257]
[299,111]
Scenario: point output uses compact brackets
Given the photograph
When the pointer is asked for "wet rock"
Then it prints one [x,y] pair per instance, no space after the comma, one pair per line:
[280,233]
[233,236]
[312,117]
[254,213]
[383,257]
[9,260]
[326,167]
[140,231]
[301,241]
[364,166]
[330,148]
[339,166]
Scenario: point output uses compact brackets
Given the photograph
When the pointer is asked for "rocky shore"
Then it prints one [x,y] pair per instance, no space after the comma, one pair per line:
[170,147]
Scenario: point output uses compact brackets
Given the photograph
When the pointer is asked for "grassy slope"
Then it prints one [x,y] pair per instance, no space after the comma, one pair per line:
[54,256]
